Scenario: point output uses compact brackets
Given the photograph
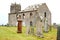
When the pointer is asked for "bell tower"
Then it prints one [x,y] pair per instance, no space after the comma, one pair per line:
[15,8]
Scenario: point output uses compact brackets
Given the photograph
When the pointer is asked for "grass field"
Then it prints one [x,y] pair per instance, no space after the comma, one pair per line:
[10,33]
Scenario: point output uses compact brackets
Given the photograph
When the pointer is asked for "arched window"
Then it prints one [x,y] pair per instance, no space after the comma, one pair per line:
[23,15]
[31,14]
[44,14]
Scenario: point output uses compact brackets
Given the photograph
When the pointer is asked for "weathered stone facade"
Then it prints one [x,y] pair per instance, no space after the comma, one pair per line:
[29,14]
[14,8]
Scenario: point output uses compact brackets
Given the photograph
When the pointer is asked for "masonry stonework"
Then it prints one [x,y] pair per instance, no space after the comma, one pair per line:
[41,9]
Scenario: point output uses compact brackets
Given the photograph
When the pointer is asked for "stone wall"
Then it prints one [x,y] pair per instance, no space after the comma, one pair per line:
[12,20]
[41,9]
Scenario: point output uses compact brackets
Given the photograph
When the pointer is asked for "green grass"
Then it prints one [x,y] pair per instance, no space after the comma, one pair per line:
[10,33]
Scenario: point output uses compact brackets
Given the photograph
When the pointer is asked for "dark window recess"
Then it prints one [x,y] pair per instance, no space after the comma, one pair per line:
[23,16]
[30,23]
[41,20]
[45,14]
[30,14]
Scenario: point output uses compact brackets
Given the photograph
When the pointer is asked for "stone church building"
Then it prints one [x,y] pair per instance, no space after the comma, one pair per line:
[28,15]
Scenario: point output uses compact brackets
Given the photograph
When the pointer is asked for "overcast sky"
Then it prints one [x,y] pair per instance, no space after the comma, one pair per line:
[53,5]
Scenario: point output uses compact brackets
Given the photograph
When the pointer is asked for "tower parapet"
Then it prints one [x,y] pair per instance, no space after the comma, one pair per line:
[15,8]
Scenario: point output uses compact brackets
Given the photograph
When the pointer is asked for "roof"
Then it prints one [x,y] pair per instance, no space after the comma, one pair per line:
[35,6]
[24,11]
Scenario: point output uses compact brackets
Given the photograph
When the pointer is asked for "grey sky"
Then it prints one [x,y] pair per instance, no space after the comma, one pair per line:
[53,6]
